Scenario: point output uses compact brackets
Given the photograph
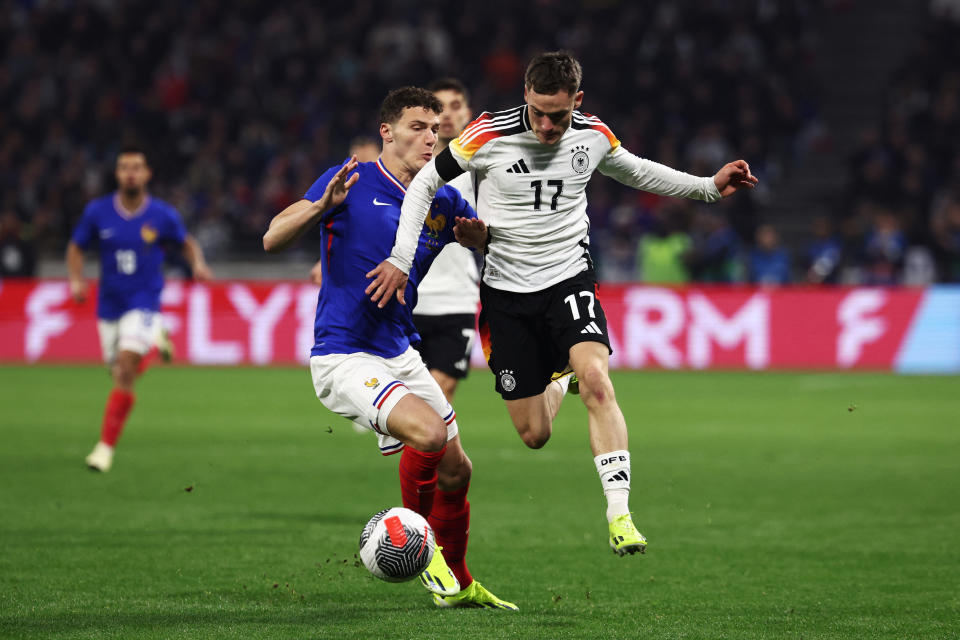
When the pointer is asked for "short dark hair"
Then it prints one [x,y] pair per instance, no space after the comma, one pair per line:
[405,97]
[133,147]
[449,84]
[553,71]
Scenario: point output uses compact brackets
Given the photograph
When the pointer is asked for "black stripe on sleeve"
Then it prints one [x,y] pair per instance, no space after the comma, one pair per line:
[447,167]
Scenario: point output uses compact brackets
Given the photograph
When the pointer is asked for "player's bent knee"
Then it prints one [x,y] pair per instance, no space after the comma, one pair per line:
[595,386]
[431,438]
[124,375]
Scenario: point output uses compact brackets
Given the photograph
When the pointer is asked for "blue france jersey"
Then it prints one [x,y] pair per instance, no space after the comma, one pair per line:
[357,236]
[131,246]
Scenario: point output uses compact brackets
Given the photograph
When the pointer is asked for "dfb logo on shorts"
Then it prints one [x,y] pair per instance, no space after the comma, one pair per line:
[507,381]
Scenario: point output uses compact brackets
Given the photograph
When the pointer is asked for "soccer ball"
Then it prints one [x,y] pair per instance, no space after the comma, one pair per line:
[397,544]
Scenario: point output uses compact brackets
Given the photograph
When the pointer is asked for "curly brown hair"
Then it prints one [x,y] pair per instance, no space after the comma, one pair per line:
[405,97]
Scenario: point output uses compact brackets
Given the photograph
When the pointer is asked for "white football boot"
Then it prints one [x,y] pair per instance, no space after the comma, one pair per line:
[101,458]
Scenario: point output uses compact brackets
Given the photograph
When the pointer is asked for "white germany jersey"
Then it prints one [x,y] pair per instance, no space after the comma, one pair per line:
[451,286]
[532,195]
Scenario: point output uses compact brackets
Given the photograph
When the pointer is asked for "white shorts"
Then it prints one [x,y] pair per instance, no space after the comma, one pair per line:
[136,330]
[365,388]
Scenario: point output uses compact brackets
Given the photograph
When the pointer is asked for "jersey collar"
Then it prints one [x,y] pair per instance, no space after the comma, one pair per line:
[389,176]
[127,213]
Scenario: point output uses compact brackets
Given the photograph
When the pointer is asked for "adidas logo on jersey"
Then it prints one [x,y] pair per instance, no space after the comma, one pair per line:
[592,328]
[519,167]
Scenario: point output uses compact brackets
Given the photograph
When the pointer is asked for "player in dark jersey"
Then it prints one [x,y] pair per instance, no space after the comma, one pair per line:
[131,231]
[362,362]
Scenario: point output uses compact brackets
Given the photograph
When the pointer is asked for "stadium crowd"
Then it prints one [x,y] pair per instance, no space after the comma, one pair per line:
[241,104]
[899,220]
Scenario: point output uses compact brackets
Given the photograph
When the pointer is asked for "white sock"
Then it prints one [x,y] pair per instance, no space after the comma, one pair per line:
[564,384]
[614,471]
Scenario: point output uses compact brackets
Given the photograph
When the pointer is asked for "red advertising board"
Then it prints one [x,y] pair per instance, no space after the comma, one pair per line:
[650,327]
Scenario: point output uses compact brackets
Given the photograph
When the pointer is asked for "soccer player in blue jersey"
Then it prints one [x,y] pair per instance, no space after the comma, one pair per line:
[131,231]
[362,362]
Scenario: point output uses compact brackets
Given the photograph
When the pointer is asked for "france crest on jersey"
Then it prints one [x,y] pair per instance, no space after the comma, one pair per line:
[357,236]
[131,246]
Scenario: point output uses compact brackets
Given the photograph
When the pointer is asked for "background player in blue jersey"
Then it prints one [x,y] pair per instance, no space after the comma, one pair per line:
[131,231]
[362,362]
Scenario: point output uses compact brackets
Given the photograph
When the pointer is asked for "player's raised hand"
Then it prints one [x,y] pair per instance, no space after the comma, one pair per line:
[289,224]
[734,176]
[78,290]
[387,279]
[471,232]
[339,186]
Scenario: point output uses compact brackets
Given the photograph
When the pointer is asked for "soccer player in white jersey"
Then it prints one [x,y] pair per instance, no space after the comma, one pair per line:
[531,165]
[362,363]
[448,297]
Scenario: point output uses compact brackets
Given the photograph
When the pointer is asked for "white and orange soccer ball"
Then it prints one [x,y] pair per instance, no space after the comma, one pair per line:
[397,544]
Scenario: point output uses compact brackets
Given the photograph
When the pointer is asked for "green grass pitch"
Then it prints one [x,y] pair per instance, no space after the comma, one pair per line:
[776,505]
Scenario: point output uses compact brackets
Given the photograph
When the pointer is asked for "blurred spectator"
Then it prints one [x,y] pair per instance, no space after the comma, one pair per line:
[617,258]
[919,269]
[17,257]
[662,254]
[365,148]
[884,248]
[824,255]
[715,252]
[768,262]
[945,229]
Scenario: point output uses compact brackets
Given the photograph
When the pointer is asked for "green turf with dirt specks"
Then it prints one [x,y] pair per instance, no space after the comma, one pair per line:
[776,505]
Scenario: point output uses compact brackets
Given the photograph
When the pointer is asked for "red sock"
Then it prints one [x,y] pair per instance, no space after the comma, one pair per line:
[450,520]
[147,360]
[115,415]
[418,478]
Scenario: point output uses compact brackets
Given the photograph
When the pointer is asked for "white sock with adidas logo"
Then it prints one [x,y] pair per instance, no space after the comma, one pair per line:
[614,471]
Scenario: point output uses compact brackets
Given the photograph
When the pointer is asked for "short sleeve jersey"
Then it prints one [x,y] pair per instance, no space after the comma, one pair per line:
[131,246]
[358,235]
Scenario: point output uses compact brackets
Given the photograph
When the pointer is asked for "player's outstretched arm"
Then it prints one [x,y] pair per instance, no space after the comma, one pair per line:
[78,286]
[194,256]
[471,233]
[289,224]
[734,176]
